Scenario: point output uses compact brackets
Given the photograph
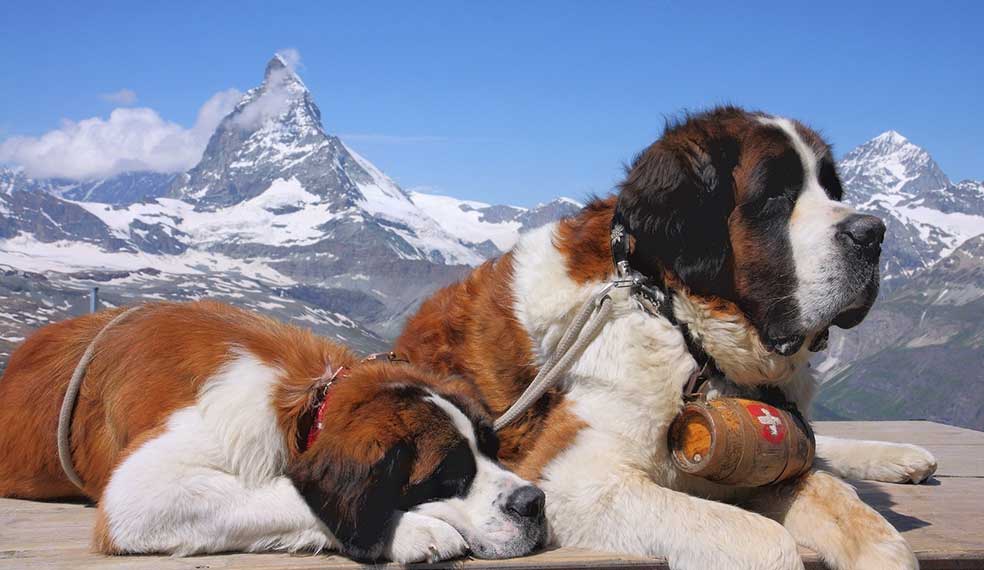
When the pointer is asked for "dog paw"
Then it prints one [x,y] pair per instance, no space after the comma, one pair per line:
[893,554]
[904,463]
[752,543]
[779,552]
[419,538]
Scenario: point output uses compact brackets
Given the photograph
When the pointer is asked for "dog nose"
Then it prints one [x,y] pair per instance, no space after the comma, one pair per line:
[527,502]
[866,231]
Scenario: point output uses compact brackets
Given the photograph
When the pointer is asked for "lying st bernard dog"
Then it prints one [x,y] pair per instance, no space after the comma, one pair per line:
[200,428]
[737,217]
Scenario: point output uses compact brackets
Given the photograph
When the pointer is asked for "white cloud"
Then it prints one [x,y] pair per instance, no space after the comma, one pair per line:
[130,139]
[291,58]
[121,97]
[272,102]
[280,87]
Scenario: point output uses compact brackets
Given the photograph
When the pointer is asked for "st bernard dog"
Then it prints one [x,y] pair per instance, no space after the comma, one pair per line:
[738,216]
[202,428]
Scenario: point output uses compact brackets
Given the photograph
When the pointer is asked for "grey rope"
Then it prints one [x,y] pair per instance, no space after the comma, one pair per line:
[575,339]
[71,396]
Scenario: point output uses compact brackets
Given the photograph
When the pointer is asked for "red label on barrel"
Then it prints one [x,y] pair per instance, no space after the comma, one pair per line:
[773,428]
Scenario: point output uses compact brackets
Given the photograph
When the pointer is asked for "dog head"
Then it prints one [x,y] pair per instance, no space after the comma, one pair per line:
[397,440]
[746,207]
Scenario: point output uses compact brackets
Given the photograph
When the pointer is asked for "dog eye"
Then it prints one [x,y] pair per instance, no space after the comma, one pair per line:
[776,204]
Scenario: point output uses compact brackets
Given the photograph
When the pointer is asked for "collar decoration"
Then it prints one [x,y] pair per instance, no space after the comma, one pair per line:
[320,404]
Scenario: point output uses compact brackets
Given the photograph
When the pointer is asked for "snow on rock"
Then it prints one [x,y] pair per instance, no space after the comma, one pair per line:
[28,254]
[465,219]
[892,166]
[478,222]
[382,198]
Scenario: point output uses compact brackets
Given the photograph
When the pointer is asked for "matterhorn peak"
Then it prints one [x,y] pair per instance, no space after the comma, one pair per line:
[281,70]
[278,61]
[275,64]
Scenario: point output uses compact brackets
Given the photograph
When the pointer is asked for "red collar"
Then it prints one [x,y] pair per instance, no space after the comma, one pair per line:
[325,383]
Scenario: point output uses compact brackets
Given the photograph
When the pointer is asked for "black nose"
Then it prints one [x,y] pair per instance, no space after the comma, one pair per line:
[866,231]
[526,502]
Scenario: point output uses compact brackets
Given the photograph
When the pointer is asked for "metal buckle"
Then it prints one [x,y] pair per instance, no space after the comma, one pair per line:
[391,356]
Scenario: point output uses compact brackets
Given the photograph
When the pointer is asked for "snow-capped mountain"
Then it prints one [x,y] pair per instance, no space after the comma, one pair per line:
[488,227]
[278,216]
[927,216]
[272,154]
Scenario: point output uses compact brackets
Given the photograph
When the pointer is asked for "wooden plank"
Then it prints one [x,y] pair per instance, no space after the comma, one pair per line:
[958,450]
[942,521]
[918,432]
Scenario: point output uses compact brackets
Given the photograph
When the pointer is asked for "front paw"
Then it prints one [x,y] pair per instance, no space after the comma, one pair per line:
[905,463]
[748,542]
[891,554]
[419,538]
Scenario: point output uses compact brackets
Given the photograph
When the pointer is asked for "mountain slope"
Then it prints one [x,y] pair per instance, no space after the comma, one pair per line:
[122,189]
[921,355]
[488,227]
[31,207]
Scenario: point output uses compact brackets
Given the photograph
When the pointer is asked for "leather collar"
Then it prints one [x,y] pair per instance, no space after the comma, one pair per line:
[655,297]
[312,421]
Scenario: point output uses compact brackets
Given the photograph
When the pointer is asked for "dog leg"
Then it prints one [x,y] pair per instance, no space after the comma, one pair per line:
[875,460]
[825,514]
[626,512]
[166,498]
[207,512]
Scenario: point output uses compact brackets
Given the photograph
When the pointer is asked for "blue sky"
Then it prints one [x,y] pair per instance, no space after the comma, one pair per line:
[514,101]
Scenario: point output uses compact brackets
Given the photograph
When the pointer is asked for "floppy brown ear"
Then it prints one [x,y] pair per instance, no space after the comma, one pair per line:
[355,497]
[677,198]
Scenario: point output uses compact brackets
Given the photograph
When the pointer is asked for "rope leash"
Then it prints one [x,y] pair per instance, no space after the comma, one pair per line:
[578,335]
[71,397]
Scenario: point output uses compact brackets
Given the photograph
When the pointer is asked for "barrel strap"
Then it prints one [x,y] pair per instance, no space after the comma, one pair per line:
[71,397]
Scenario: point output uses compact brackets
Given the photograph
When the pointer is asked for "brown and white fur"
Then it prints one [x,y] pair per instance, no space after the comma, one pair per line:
[189,432]
[740,214]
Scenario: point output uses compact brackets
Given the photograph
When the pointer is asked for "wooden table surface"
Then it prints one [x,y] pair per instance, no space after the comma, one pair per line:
[942,520]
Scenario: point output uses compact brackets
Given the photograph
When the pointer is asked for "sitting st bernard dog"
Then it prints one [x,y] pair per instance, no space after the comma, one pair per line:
[736,217]
[203,428]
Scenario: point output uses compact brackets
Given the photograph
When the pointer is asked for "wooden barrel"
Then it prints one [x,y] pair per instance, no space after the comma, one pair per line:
[734,441]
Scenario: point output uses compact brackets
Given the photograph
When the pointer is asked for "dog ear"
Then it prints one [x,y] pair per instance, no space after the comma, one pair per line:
[677,198]
[355,498]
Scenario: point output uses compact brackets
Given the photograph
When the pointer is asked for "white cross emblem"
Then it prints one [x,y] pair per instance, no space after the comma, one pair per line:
[770,421]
